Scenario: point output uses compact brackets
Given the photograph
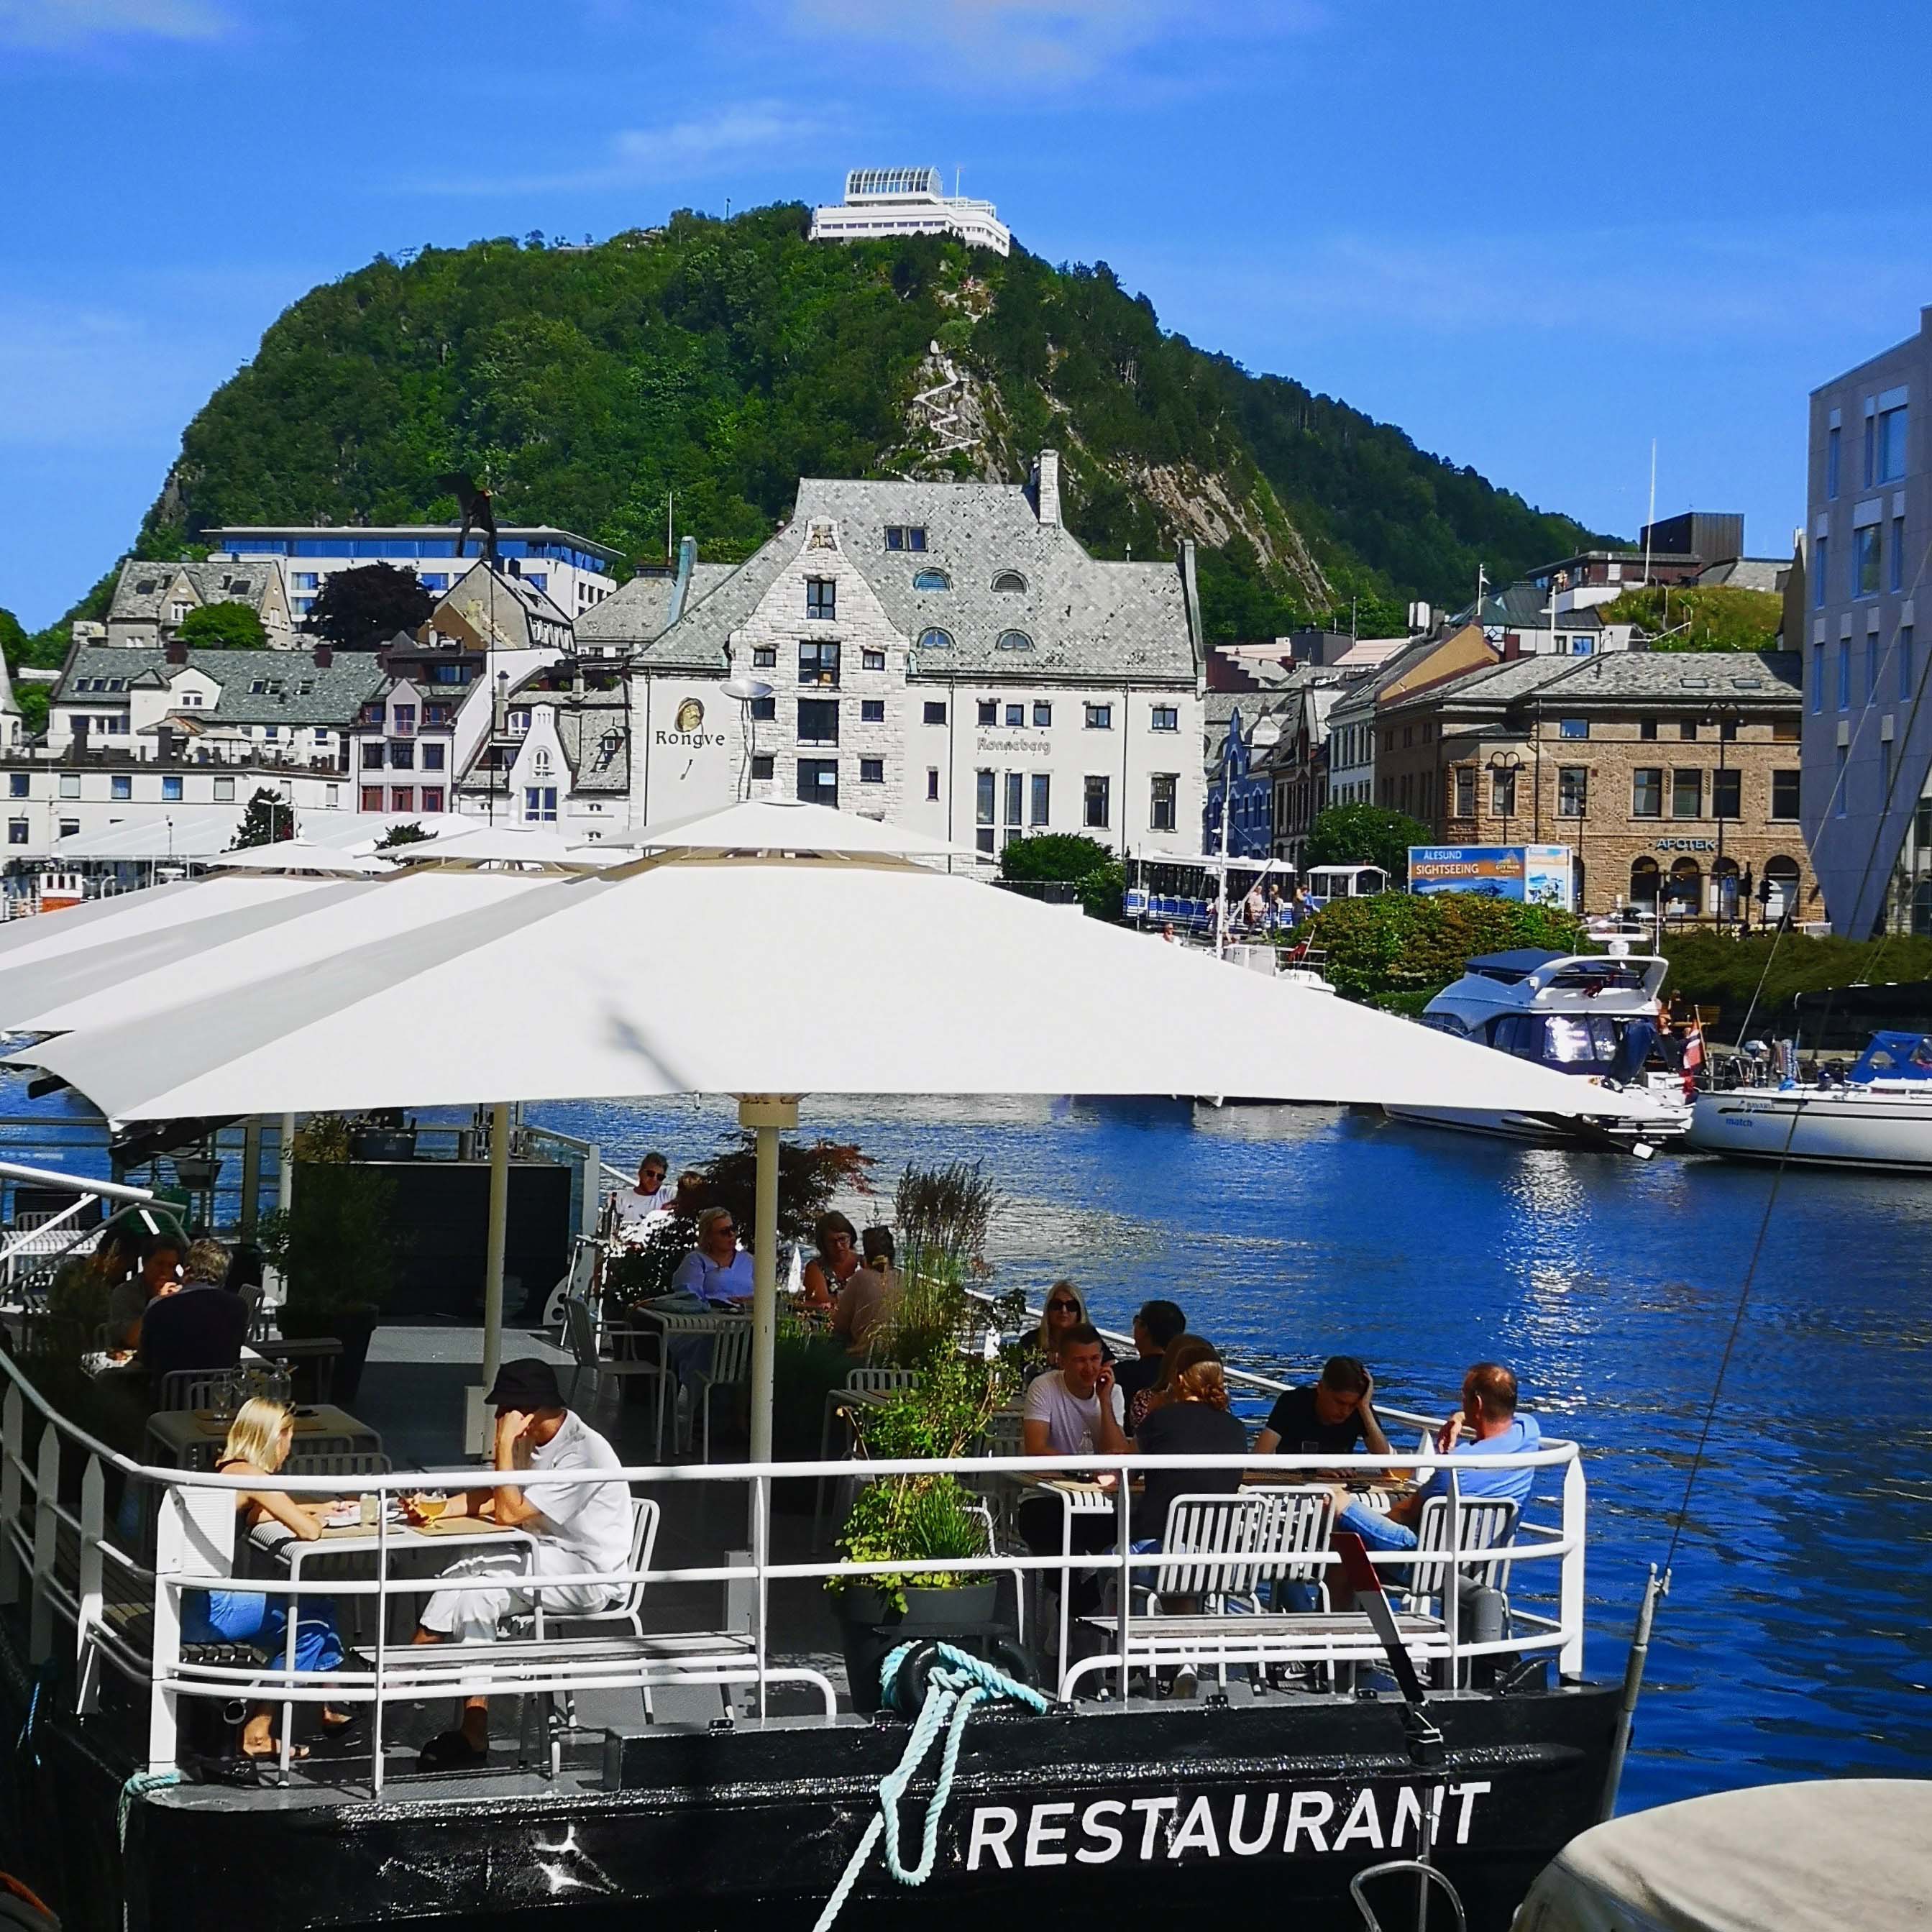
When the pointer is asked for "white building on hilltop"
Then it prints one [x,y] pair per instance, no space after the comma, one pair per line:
[882,202]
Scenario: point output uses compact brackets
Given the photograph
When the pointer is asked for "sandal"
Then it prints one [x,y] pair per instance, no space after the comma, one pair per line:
[450,1751]
[273,1755]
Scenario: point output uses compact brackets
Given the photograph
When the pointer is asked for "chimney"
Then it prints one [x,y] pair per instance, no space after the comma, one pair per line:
[177,651]
[1046,486]
[325,656]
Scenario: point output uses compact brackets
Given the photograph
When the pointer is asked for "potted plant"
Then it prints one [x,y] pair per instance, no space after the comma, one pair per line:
[336,1247]
[918,1519]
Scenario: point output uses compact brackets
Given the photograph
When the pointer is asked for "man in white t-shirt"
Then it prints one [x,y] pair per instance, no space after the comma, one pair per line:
[573,1527]
[653,1195]
[1074,1410]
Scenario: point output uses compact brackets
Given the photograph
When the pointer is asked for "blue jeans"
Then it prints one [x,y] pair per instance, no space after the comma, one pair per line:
[246,1616]
[1377,1529]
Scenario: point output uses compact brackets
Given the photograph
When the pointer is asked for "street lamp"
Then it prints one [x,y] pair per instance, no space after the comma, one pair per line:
[1725,717]
[1504,765]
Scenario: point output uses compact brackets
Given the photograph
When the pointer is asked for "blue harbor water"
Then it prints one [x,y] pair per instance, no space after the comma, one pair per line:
[1795,1642]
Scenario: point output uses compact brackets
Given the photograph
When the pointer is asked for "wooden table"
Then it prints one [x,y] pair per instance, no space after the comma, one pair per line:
[191,1438]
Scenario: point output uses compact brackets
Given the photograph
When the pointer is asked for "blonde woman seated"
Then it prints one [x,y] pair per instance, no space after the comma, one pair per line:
[1065,1311]
[258,1444]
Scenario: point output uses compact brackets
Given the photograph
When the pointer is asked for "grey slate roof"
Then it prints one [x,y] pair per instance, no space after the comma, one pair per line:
[583,723]
[1739,676]
[1748,573]
[1086,619]
[510,602]
[636,612]
[141,590]
[295,689]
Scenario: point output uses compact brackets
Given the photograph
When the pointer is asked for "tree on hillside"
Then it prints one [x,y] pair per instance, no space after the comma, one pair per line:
[360,609]
[12,638]
[268,820]
[1718,617]
[1365,835]
[230,626]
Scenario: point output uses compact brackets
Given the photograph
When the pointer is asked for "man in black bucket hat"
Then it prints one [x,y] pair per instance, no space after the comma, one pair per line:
[576,1527]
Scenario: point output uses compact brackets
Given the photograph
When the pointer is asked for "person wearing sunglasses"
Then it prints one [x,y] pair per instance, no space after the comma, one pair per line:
[717,1272]
[1063,1312]
[653,1195]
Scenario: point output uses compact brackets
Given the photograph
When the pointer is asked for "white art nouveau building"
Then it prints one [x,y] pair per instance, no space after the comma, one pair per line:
[945,656]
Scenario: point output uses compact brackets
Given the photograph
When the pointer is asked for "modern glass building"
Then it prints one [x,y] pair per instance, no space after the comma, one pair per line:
[1868,727]
[882,202]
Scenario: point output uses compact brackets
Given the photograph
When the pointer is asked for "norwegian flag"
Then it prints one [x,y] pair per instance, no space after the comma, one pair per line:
[1693,1057]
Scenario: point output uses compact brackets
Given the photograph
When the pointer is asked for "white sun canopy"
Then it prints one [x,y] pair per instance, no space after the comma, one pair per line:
[780,826]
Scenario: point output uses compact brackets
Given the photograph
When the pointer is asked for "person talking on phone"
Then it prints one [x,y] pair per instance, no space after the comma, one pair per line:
[1073,1411]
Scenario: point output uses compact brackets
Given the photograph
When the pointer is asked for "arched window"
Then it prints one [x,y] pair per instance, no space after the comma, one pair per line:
[1009,580]
[1012,640]
[935,640]
[1686,890]
[1724,886]
[1781,875]
[930,580]
[1644,878]
[540,764]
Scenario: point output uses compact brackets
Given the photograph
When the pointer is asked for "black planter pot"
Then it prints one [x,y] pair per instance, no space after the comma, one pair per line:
[873,1630]
[351,1327]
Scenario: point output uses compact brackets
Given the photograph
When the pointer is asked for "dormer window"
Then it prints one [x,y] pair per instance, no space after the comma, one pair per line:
[930,580]
[905,536]
[935,640]
[1009,580]
[1012,640]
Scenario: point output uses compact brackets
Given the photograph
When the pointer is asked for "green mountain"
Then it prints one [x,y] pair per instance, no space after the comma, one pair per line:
[719,361]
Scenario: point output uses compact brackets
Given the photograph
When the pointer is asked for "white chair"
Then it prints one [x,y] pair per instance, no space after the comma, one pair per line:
[863,1380]
[1301,1519]
[212,1388]
[1484,1523]
[730,1366]
[1228,1536]
[580,1332]
[627,1611]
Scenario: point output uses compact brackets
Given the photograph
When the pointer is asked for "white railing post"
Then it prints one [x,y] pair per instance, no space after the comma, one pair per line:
[47,1534]
[12,1417]
[88,1618]
[194,1536]
[593,1188]
[1570,1615]
[761,1556]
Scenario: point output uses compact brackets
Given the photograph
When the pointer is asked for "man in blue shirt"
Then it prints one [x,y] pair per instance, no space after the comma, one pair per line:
[1486,1425]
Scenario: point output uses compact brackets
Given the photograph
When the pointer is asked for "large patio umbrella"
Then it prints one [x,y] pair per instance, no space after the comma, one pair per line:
[769,977]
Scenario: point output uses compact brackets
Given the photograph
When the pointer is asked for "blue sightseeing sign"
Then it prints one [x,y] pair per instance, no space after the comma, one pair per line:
[1532,874]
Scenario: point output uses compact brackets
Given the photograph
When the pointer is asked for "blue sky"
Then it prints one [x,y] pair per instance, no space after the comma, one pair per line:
[1534,236]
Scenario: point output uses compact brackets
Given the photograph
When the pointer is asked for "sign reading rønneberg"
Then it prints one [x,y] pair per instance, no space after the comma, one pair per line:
[1531,874]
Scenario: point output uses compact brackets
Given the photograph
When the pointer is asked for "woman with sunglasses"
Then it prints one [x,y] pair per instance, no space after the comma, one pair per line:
[1064,1311]
[717,1272]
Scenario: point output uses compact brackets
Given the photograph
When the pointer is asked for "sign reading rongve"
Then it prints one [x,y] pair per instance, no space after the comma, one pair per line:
[1530,874]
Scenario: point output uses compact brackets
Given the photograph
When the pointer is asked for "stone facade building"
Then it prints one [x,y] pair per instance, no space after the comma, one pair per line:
[1672,774]
[152,601]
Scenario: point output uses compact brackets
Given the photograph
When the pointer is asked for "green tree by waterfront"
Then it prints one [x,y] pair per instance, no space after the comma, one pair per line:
[1400,949]
[228,626]
[268,820]
[1068,858]
[1364,835]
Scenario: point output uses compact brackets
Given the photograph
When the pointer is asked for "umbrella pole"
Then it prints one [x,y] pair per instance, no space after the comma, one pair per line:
[767,1115]
[499,1220]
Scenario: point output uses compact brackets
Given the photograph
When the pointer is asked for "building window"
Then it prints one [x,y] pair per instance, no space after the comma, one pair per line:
[1871,666]
[763,766]
[1727,794]
[519,721]
[305,580]
[1012,640]
[818,663]
[405,721]
[1466,791]
[171,789]
[403,758]
[989,712]
[372,798]
[1163,804]
[935,640]
[1867,561]
[930,580]
[1824,572]
[432,758]
[432,798]
[935,711]
[872,771]
[1015,790]
[16,831]
[70,785]
[1647,792]
[1573,791]
[871,660]
[1904,660]
[1891,441]
[1165,718]
[764,657]
[403,798]
[1100,718]
[818,721]
[1099,802]
[1686,729]
[764,710]
[932,785]
[1831,463]
[983,795]
[1838,785]
[1785,793]
[1646,728]
[540,805]
[539,762]
[1572,728]
[872,711]
[1582,647]
[1043,715]
[821,598]
[1015,717]
[180,613]
[1009,580]
[1041,800]
[1844,673]
[905,536]
[1686,794]
[1502,793]
[17,785]
[1817,678]
[818,781]
[120,786]
[70,828]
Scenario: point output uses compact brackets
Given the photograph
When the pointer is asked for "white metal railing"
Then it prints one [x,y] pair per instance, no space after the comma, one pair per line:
[74,1590]
[45,1238]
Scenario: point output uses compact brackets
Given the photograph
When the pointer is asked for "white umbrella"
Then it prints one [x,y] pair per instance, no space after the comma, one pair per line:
[770,978]
[300,856]
[791,827]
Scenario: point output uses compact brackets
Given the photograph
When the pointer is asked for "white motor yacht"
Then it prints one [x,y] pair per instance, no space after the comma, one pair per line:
[1591,1015]
[1879,1116]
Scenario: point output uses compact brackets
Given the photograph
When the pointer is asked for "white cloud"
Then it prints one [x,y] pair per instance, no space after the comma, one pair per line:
[67,23]
[687,150]
[1046,42]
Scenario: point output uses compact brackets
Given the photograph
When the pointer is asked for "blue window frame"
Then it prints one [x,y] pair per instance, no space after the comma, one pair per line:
[171,788]
[1817,677]
[1897,580]
[1831,440]
[1905,661]
[1844,673]
[1871,666]
[1866,560]
[1823,573]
